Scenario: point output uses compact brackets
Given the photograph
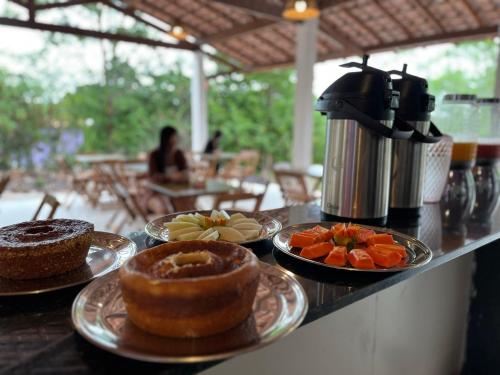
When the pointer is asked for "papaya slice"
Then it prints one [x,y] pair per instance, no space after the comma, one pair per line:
[400,249]
[384,258]
[381,238]
[303,239]
[317,250]
[363,234]
[360,259]
[337,257]
[325,234]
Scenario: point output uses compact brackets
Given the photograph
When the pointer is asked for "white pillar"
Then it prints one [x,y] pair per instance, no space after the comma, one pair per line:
[199,121]
[497,81]
[305,57]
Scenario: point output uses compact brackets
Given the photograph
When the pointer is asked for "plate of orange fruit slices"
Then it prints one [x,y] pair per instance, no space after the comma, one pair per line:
[352,247]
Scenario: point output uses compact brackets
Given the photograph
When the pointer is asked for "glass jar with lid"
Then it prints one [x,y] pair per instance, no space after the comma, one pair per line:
[458,118]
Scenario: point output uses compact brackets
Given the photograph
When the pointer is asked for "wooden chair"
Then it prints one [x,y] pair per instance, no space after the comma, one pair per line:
[78,182]
[52,202]
[128,203]
[200,167]
[232,198]
[293,186]
[243,165]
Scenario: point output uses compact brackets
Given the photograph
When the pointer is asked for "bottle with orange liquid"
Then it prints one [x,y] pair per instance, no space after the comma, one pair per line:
[458,118]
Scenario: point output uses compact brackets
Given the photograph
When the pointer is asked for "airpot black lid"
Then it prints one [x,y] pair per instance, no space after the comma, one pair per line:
[415,103]
[369,90]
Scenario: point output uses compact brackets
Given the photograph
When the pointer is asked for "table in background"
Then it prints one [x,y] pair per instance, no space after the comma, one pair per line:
[183,196]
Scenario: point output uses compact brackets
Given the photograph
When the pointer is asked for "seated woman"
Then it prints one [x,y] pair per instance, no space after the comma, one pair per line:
[167,164]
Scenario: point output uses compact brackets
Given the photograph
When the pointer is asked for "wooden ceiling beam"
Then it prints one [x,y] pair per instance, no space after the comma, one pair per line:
[472,13]
[20,3]
[131,13]
[158,12]
[64,4]
[335,34]
[429,15]
[95,34]
[31,10]
[482,32]
[389,15]
[325,4]
[259,9]
[223,60]
[200,38]
[239,30]
[368,29]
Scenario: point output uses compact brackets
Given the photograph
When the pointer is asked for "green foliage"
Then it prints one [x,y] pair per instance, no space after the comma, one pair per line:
[255,111]
[122,111]
[23,118]
[471,68]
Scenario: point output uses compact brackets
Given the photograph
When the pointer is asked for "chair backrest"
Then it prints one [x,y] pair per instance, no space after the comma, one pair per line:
[52,202]
[293,186]
[4,181]
[236,197]
[127,200]
[244,164]
[201,167]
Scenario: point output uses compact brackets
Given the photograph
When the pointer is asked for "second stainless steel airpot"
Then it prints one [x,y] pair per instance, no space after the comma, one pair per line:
[409,156]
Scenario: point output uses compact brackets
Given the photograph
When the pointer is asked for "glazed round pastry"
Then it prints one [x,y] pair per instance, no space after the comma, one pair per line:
[43,248]
[190,288]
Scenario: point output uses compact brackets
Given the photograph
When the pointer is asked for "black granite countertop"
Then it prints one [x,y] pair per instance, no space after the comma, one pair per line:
[36,333]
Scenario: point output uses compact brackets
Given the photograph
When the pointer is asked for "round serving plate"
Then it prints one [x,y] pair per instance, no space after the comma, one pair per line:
[99,315]
[107,252]
[419,254]
[270,226]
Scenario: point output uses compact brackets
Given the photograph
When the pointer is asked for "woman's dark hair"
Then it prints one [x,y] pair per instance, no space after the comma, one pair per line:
[217,134]
[166,133]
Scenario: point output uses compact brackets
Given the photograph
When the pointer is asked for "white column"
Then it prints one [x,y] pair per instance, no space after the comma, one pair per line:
[199,121]
[497,81]
[305,57]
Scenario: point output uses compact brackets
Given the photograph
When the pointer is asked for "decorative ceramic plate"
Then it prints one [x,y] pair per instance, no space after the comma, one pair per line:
[99,315]
[418,253]
[270,226]
[107,252]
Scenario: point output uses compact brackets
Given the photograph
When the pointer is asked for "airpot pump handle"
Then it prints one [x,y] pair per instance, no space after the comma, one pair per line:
[372,124]
[434,137]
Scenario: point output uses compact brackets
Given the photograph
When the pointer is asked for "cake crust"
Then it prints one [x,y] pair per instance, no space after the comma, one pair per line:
[43,248]
[203,304]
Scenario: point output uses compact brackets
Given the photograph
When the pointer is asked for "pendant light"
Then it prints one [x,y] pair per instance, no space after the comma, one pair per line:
[178,31]
[301,10]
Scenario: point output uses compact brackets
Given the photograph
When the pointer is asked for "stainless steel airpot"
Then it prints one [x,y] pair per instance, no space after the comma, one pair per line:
[359,108]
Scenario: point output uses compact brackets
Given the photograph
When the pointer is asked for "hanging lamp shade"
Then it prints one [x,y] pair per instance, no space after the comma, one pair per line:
[178,32]
[301,10]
